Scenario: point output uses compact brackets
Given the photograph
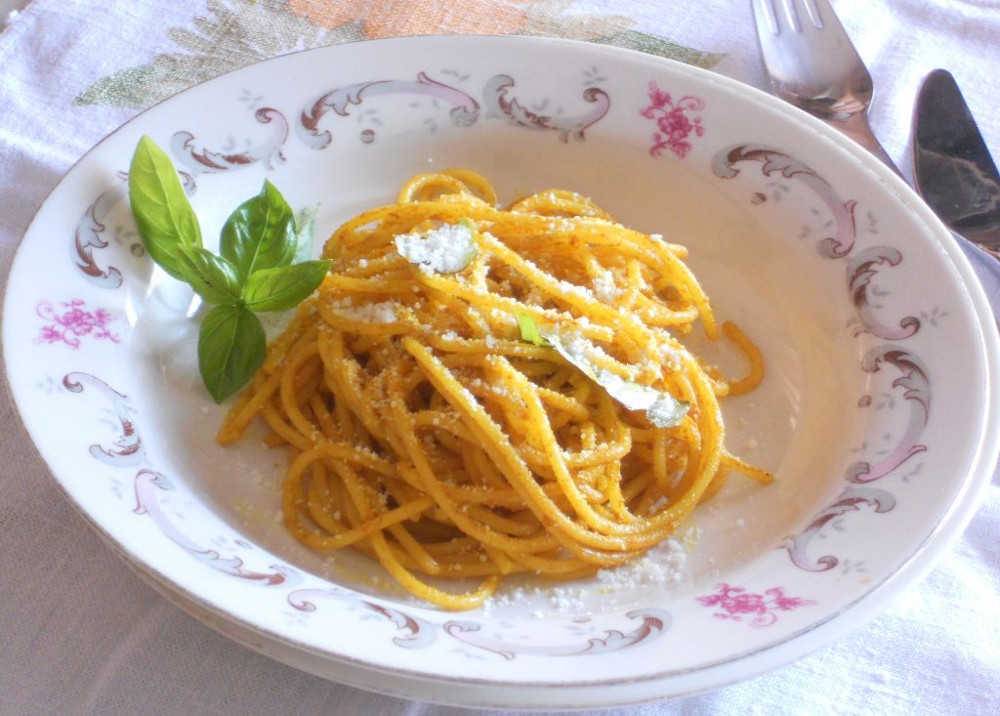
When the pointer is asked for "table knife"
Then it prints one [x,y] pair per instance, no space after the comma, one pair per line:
[956,176]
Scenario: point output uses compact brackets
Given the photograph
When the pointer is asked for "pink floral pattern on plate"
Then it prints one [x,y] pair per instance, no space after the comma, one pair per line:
[71,322]
[758,610]
[675,121]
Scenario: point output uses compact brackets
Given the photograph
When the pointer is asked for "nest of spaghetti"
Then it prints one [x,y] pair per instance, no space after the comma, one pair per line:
[425,431]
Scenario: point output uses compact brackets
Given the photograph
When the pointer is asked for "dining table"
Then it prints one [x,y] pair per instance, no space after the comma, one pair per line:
[81,633]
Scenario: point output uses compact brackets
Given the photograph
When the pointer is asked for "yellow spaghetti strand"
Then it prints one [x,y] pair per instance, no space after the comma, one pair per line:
[756,374]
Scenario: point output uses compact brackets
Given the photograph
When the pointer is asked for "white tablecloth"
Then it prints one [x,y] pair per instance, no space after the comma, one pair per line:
[80,633]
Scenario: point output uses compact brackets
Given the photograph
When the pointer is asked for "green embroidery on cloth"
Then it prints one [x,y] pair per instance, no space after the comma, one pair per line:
[230,36]
[664,48]
[235,33]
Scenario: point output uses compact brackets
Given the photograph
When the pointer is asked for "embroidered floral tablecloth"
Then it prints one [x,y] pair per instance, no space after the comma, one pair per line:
[80,633]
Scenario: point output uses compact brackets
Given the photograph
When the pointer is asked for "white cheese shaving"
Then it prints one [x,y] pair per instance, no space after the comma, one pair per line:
[664,566]
[605,287]
[449,248]
[384,312]
[662,409]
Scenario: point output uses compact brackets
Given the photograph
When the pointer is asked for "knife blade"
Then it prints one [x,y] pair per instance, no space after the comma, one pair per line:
[952,167]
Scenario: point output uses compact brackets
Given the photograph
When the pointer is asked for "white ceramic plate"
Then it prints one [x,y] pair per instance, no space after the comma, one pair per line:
[878,413]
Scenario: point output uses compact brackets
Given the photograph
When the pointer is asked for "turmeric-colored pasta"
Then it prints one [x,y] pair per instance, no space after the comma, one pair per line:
[427,432]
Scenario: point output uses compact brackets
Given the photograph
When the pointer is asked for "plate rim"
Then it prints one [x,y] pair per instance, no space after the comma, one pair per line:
[797,644]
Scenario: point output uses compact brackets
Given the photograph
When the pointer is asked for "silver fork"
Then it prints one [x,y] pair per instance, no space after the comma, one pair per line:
[813,65]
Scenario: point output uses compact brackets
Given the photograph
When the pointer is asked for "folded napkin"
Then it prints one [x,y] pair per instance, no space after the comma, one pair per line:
[79,633]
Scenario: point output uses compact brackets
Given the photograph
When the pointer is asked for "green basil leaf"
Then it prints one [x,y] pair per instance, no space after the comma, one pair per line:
[162,212]
[260,234]
[212,277]
[278,289]
[529,330]
[231,347]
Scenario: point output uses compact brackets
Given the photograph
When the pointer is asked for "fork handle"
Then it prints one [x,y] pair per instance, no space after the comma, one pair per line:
[856,127]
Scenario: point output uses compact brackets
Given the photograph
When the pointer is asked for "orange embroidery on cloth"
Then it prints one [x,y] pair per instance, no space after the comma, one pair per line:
[390,18]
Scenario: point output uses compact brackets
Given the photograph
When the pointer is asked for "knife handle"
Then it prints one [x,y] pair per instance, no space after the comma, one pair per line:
[856,127]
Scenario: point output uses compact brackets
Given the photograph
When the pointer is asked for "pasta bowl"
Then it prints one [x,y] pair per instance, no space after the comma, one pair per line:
[878,413]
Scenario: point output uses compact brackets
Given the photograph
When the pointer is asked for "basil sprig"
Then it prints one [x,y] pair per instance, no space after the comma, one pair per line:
[257,268]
